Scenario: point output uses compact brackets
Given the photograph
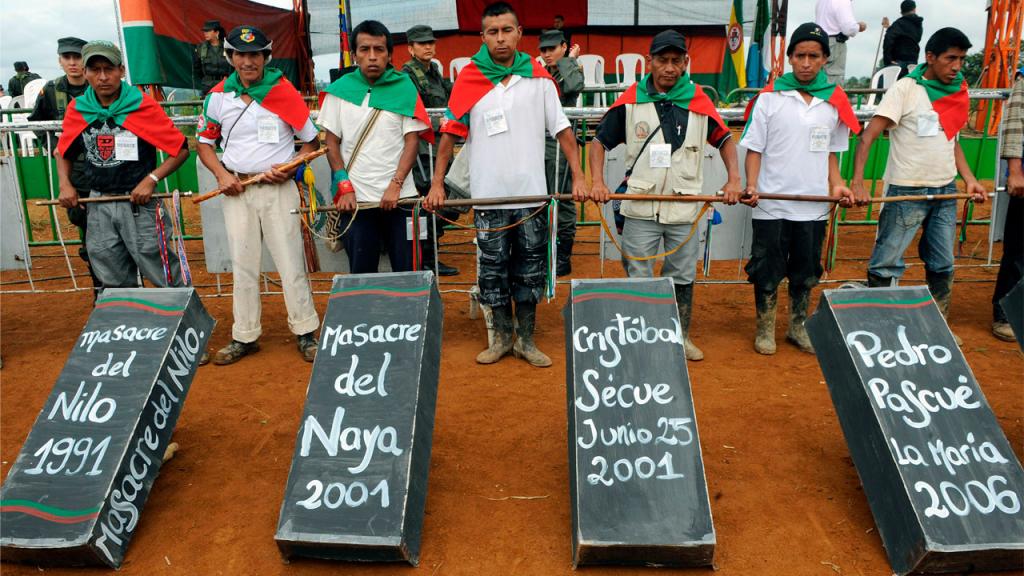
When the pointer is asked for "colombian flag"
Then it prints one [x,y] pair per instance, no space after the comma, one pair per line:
[734,71]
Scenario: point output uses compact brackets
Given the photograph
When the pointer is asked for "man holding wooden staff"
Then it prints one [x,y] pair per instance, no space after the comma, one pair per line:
[257,116]
[796,128]
[923,113]
[374,117]
[118,129]
[665,120]
[503,103]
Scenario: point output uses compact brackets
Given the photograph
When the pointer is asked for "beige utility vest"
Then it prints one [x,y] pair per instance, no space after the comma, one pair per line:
[685,176]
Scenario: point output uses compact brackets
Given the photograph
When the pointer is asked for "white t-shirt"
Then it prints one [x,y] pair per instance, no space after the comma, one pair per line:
[506,138]
[795,140]
[378,158]
[915,160]
[240,134]
[836,16]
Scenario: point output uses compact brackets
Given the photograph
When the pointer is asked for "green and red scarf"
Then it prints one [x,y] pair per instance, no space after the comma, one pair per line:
[392,92]
[273,92]
[478,78]
[820,88]
[950,101]
[685,94]
[132,110]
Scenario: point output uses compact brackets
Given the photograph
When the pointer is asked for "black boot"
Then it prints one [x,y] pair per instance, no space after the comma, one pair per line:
[684,302]
[875,281]
[941,287]
[428,256]
[563,262]
[501,325]
[526,321]
[797,334]
[766,303]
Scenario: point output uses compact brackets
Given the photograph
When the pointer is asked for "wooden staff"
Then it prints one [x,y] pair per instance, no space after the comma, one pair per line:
[290,165]
[100,199]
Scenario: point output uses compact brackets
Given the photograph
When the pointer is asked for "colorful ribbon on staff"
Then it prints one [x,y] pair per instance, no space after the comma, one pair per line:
[178,230]
[549,289]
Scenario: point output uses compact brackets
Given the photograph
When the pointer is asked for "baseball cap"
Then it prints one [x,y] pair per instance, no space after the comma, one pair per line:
[104,49]
[668,39]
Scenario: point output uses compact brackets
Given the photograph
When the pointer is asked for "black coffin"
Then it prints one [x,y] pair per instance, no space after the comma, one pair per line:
[636,476]
[76,492]
[358,483]
[940,477]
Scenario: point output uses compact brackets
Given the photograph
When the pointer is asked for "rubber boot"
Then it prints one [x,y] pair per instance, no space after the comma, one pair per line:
[501,344]
[563,262]
[797,333]
[766,303]
[526,321]
[684,302]
[941,287]
[875,281]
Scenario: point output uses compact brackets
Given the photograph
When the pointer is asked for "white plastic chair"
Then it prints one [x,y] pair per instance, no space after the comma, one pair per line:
[456,65]
[626,66]
[26,140]
[888,76]
[440,67]
[32,91]
[5,102]
[540,60]
[593,76]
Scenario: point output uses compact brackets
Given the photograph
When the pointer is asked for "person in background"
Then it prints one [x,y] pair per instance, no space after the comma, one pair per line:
[209,65]
[560,62]
[22,76]
[558,23]
[837,20]
[902,44]
[1011,266]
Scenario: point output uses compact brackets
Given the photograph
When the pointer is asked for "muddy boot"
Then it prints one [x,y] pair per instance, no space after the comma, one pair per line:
[875,281]
[501,344]
[526,321]
[766,302]
[684,302]
[941,287]
[563,261]
[797,334]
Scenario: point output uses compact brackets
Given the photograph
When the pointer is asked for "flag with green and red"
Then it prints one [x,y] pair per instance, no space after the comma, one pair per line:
[684,94]
[950,101]
[820,88]
[273,92]
[392,92]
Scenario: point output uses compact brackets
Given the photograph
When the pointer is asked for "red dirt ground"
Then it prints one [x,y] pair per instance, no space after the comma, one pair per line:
[785,495]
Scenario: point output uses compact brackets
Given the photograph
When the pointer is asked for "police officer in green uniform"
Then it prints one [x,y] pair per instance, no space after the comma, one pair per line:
[16,85]
[560,61]
[434,90]
[209,65]
[50,105]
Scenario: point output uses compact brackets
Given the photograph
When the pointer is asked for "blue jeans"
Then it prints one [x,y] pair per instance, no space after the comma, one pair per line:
[899,223]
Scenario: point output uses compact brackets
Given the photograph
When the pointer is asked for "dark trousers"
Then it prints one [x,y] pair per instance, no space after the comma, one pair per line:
[373,230]
[512,263]
[1011,267]
[786,249]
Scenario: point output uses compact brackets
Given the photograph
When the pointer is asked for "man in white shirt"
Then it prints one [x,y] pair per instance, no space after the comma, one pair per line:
[924,113]
[837,20]
[256,115]
[503,103]
[797,128]
[376,105]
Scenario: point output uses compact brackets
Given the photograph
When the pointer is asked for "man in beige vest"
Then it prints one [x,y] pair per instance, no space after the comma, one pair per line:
[665,120]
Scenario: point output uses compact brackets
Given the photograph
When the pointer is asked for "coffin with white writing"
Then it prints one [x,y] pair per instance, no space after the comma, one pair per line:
[636,474]
[358,482]
[943,483]
[76,492]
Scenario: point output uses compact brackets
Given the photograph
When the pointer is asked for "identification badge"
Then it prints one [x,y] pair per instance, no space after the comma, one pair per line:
[423,228]
[495,122]
[267,131]
[126,147]
[660,155]
[820,136]
[928,124]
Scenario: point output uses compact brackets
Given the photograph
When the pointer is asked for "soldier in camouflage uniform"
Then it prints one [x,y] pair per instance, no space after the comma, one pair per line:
[50,105]
[560,61]
[209,66]
[16,85]
[434,90]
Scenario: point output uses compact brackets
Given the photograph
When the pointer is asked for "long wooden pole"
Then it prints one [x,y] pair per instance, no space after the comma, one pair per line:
[102,199]
[291,164]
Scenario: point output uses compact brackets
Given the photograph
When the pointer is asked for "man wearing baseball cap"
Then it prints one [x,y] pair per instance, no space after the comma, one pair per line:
[119,129]
[796,128]
[560,62]
[51,104]
[209,65]
[256,116]
[665,120]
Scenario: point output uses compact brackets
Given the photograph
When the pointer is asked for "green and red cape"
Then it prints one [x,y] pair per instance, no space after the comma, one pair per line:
[685,94]
[950,101]
[274,92]
[133,111]
[478,78]
[392,92]
[821,88]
